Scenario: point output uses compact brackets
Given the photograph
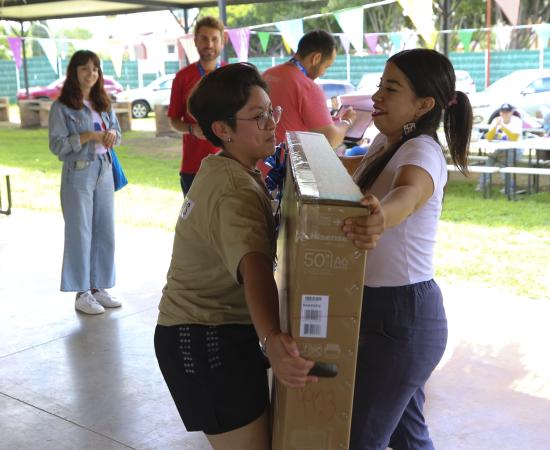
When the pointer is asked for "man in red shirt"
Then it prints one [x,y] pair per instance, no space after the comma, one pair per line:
[291,86]
[209,40]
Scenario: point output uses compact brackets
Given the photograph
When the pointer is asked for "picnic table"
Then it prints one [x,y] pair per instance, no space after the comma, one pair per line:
[539,145]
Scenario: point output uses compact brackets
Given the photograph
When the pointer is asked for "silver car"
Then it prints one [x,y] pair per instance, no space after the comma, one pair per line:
[527,90]
[144,100]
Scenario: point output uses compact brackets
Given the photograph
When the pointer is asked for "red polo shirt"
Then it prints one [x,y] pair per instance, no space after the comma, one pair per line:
[194,149]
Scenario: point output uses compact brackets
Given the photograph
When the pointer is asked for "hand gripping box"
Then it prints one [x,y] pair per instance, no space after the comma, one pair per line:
[320,280]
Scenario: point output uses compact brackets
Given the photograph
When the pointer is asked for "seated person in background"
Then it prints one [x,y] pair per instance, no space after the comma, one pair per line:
[505,127]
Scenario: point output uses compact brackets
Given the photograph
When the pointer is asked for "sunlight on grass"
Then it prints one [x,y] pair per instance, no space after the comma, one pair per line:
[493,241]
[495,256]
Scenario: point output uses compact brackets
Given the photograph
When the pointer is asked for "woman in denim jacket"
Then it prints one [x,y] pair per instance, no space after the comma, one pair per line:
[82,129]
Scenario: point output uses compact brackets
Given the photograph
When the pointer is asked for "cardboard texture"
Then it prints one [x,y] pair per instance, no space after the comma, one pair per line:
[320,278]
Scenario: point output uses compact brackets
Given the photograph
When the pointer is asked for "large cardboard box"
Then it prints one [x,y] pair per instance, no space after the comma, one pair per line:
[320,278]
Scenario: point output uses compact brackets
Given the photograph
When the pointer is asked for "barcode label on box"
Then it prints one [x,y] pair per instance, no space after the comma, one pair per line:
[314,317]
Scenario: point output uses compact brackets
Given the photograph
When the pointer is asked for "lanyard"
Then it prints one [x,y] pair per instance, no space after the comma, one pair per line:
[299,65]
[202,71]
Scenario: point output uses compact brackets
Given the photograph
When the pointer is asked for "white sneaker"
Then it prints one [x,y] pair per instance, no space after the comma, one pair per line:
[87,304]
[105,299]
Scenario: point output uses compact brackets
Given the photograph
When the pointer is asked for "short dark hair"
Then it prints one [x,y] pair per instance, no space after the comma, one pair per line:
[316,41]
[220,94]
[209,22]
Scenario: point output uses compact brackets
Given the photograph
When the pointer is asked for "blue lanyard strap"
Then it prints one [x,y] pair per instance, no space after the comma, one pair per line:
[201,69]
[299,65]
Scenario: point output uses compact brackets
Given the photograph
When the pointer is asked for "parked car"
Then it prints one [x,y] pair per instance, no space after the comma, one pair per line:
[464,82]
[527,90]
[369,83]
[334,88]
[52,90]
[145,99]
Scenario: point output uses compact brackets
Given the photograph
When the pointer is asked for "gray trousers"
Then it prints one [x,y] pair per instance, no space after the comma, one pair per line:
[87,201]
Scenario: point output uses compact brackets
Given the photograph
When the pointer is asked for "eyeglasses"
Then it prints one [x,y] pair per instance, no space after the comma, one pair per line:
[262,119]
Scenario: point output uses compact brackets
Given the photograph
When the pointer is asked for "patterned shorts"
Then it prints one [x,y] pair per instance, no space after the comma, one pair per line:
[216,374]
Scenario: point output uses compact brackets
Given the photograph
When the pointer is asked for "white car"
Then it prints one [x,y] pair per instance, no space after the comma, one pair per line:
[527,90]
[464,82]
[334,89]
[370,81]
[145,99]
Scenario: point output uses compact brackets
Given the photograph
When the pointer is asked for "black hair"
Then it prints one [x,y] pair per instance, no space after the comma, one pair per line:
[316,41]
[220,94]
[430,74]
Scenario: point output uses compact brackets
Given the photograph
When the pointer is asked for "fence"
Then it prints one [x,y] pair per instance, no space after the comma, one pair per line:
[40,72]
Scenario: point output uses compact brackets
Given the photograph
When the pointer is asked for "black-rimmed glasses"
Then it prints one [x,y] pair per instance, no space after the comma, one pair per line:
[262,119]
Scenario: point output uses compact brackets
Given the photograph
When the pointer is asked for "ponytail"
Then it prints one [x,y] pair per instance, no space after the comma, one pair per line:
[457,123]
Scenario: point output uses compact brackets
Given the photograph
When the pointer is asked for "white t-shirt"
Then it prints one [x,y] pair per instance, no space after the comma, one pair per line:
[98,126]
[404,253]
[514,126]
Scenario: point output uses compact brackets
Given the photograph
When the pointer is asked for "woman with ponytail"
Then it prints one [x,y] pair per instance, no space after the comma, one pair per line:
[403,325]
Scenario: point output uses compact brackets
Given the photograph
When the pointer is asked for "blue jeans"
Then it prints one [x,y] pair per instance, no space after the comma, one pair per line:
[402,338]
[87,201]
[500,158]
[186,180]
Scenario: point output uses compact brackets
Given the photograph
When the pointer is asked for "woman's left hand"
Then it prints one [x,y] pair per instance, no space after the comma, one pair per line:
[364,231]
[109,138]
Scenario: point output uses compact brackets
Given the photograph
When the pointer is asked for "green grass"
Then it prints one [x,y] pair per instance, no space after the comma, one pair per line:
[152,198]
[494,242]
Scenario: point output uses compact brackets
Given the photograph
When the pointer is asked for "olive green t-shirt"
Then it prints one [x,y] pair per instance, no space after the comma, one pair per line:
[226,215]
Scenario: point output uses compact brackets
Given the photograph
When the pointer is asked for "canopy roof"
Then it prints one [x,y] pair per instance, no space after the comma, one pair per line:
[28,10]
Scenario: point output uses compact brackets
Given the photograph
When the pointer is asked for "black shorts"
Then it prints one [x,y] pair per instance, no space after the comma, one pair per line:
[217,375]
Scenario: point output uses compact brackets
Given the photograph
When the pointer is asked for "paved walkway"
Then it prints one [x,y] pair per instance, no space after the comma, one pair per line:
[70,381]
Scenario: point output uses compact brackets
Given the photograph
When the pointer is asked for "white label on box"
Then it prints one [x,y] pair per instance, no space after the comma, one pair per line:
[314,317]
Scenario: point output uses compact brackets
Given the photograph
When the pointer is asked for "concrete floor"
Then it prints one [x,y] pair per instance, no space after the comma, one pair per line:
[70,381]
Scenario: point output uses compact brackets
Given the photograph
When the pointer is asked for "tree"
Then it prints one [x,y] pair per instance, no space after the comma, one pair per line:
[75,33]
[5,52]
[38,29]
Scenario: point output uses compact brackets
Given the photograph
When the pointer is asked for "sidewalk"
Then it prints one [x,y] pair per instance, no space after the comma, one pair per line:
[70,381]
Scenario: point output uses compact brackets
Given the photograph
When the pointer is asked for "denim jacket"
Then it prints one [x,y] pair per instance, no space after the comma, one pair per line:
[65,126]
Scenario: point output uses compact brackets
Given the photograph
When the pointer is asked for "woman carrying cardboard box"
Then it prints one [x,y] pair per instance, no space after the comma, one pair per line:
[220,294]
[403,328]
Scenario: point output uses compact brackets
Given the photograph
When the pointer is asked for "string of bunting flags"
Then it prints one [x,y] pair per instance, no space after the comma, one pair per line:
[350,20]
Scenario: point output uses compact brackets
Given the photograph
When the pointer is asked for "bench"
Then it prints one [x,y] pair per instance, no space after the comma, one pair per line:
[29,112]
[481,159]
[4,109]
[44,112]
[489,170]
[6,172]
[123,111]
[534,172]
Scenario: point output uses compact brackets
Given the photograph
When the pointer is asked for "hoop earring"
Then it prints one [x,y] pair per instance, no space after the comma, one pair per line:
[409,128]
